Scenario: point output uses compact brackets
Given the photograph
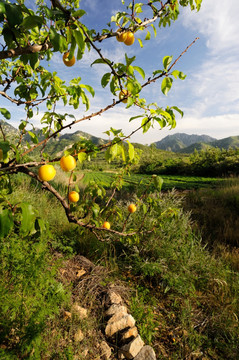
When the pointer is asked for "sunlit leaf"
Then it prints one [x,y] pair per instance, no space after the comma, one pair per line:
[166,85]
[5,113]
[6,222]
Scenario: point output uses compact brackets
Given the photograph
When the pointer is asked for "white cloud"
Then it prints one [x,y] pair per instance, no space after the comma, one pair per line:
[220,126]
[218,22]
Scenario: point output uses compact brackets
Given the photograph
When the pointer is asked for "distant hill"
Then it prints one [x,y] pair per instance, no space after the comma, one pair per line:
[9,130]
[230,142]
[180,141]
[55,146]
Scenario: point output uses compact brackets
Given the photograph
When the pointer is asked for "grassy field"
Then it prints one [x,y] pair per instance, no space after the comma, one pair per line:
[183,295]
[169,182]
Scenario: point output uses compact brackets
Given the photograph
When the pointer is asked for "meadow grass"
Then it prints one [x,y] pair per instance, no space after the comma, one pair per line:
[184,296]
[216,211]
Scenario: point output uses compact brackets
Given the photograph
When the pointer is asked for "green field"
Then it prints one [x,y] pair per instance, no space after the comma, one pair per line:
[169,182]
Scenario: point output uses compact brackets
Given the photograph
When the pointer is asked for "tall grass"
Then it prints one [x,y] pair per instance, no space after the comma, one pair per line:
[216,213]
[185,299]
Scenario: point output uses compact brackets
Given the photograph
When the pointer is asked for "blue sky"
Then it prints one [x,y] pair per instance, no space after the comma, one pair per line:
[209,96]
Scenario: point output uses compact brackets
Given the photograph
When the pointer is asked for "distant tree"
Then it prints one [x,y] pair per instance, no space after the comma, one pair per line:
[30,36]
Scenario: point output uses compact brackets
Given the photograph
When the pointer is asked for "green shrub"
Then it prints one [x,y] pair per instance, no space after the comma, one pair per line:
[30,295]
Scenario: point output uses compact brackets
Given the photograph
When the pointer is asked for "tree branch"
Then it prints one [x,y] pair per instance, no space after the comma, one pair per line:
[30,49]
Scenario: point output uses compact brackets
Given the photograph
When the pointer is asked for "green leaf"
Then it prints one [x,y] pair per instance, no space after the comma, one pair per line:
[130,102]
[58,41]
[138,8]
[88,88]
[133,86]
[178,74]
[95,209]
[5,147]
[158,182]
[146,123]
[129,60]
[135,117]
[34,60]
[8,35]
[33,137]
[156,72]
[178,110]
[154,28]
[80,40]
[166,85]
[140,71]
[22,125]
[6,222]
[123,154]
[5,113]
[28,219]
[148,36]
[131,151]
[101,61]
[14,14]
[82,156]
[114,150]
[32,21]
[78,13]
[140,42]
[165,114]
[167,61]
[105,79]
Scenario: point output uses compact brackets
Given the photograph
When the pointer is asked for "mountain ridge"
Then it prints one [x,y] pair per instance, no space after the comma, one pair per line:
[178,143]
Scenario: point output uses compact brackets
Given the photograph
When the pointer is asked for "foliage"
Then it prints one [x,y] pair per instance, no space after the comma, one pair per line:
[30,37]
[184,299]
[189,285]
[209,162]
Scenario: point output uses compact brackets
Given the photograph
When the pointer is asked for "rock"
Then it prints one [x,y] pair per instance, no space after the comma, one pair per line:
[121,356]
[121,324]
[105,351]
[66,315]
[133,348]
[147,352]
[79,311]
[117,316]
[80,273]
[114,298]
[129,334]
[115,308]
[79,336]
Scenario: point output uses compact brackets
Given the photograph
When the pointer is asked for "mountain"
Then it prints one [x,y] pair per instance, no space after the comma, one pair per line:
[8,130]
[231,142]
[61,143]
[55,146]
[179,141]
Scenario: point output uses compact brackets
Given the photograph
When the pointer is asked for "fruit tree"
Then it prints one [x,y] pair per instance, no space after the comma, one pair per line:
[32,35]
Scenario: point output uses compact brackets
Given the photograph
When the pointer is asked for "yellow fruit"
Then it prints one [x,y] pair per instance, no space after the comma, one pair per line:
[46,172]
[68,163]
[132,208]
[121,37]
[129,39]
[67,62]
[1,154]
[106,225]
[73,196]
[122,94]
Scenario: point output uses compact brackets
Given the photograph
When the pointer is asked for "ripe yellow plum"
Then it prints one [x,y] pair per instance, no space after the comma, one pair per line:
[46,172]
[68,163]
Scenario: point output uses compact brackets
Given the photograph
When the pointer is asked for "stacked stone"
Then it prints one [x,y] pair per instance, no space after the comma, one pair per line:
[121,330]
